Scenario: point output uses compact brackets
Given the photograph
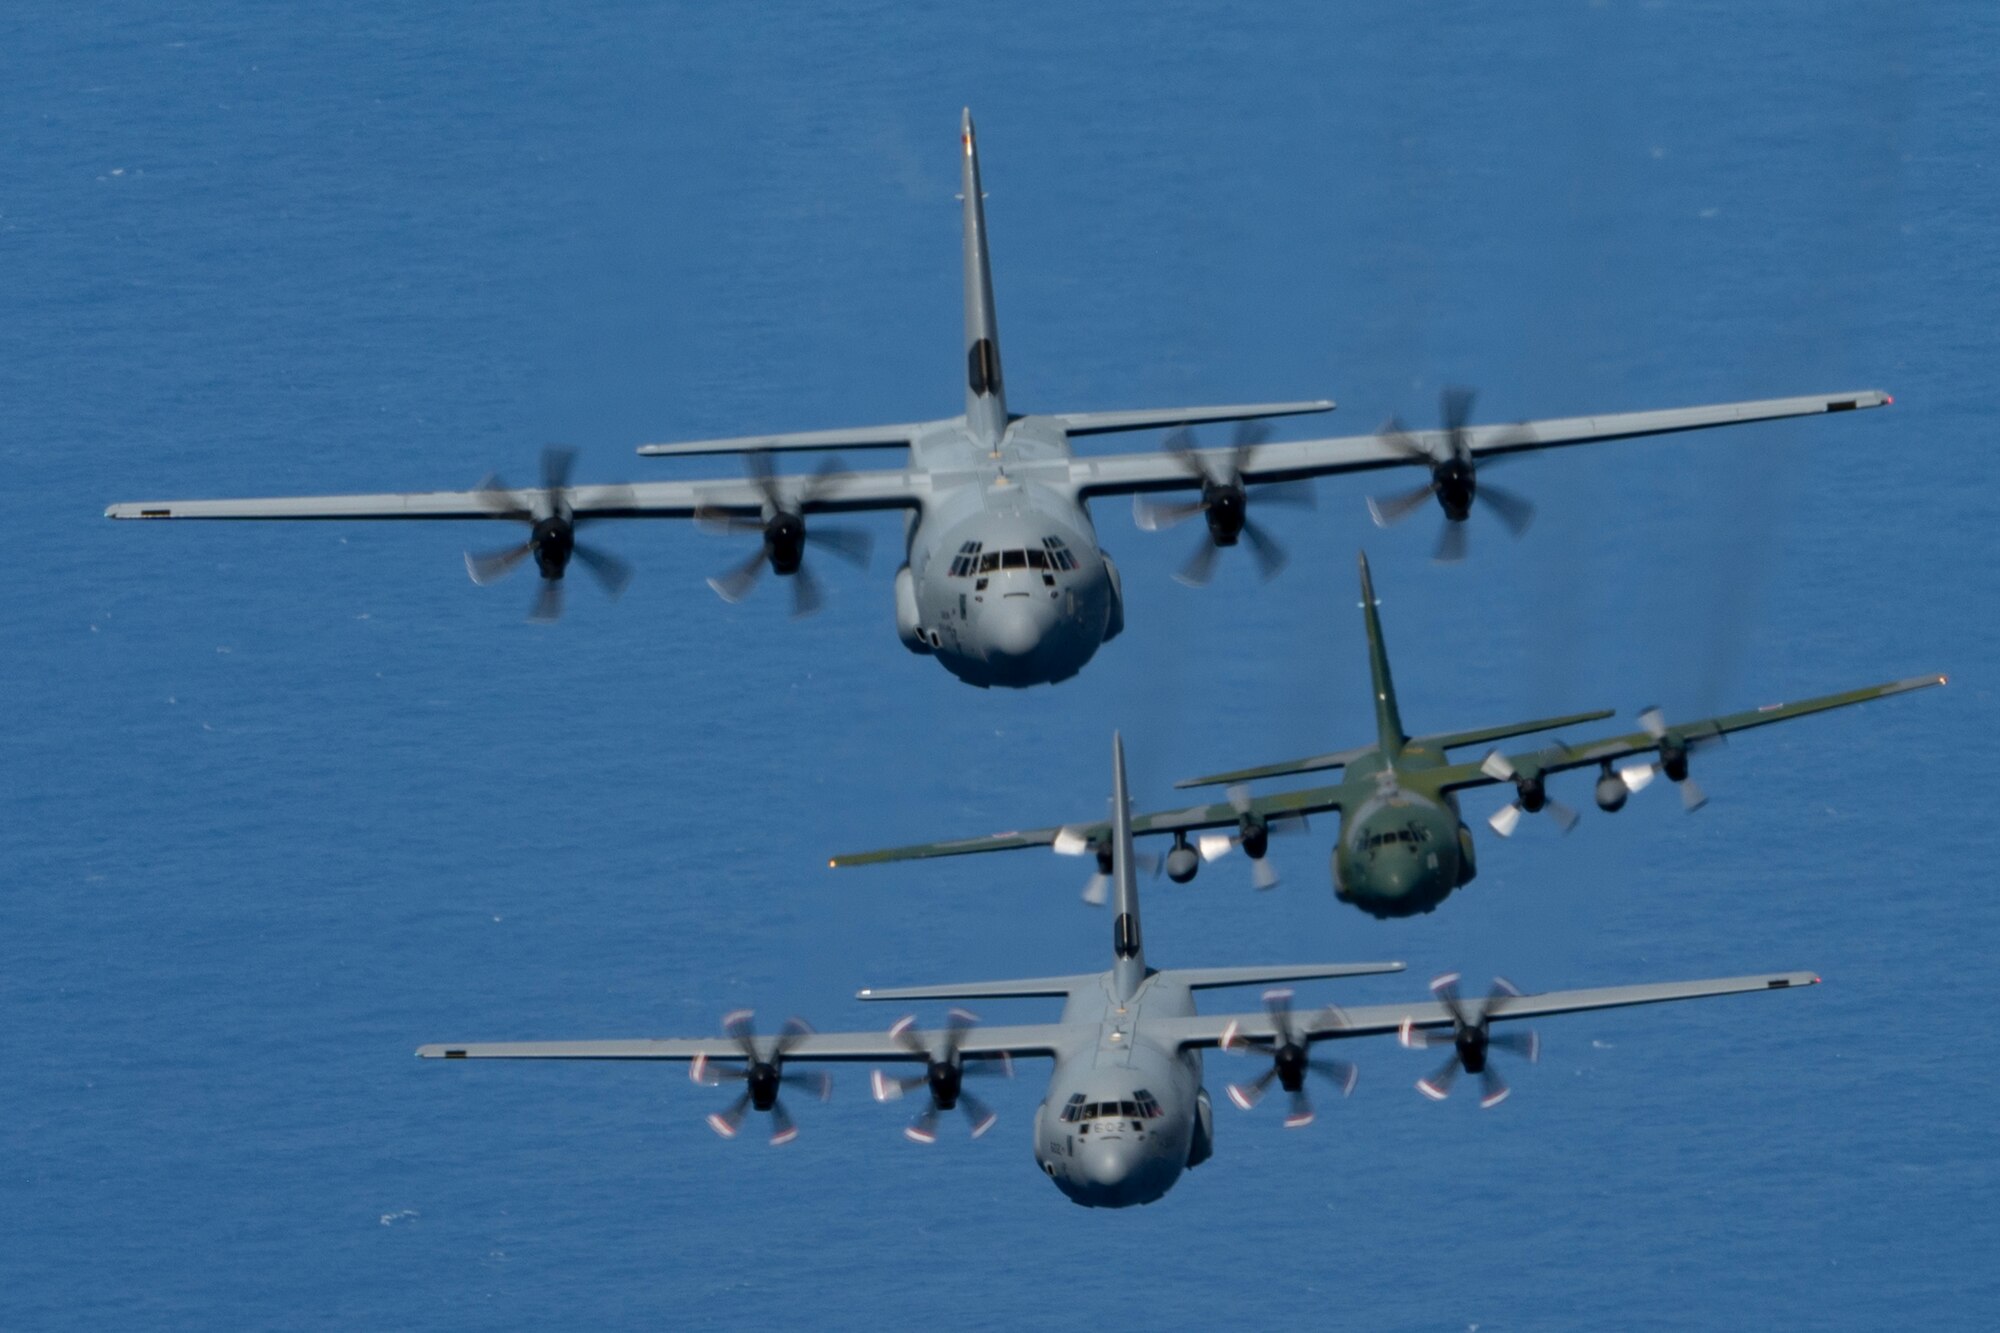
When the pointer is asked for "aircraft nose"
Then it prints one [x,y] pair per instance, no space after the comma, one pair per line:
[1109,1163]
[1014,627]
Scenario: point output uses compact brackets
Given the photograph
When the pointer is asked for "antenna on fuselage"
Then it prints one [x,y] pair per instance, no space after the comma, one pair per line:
[985,397]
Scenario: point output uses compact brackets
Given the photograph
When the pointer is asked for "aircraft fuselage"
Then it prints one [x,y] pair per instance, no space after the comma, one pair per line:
[1005,583]
[1403,848]
[1124,1116]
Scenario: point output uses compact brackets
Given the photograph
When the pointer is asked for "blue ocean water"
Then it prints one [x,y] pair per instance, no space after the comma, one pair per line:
[282,802]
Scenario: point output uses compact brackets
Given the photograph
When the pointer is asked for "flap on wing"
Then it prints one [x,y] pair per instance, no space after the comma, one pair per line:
[1102,423]
[1020,988]
[1310,764]
[1452,740]
[850,437]
[1203,978]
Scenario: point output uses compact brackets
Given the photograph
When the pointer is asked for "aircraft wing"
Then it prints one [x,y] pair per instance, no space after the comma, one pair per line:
[1021,1040]
[1556,758]
[1204,1030]
[1158,470]
[1079,838]
[885,489]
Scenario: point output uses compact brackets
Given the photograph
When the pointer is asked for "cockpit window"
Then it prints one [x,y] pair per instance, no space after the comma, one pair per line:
[989,562]
[1013,560]
[1142,1106]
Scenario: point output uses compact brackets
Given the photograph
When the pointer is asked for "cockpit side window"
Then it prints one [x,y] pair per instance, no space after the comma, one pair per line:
[989,562]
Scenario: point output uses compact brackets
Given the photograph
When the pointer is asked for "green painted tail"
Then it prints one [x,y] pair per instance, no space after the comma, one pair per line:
[1388,722]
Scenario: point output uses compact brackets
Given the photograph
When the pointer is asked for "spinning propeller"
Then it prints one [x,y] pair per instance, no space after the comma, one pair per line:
[551,537]
[1471,1044]
[1531,796]
[1224,503]
[762,1076]
[1453,482]
[1070,842]
[1253,834]
[782,528]
[944,1071]
[1673,761]
[1291,1058]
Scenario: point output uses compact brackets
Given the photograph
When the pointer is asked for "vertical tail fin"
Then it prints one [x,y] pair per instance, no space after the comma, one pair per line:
[1388,722]
[1128,965]
[985,400]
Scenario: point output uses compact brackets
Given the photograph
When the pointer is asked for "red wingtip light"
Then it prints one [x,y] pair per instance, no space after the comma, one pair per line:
[1888,400]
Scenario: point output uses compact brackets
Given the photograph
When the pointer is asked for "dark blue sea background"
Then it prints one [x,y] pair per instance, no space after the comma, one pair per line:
[280,802]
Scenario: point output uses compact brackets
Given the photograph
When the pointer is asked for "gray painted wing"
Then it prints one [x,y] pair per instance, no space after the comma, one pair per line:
[1157,470]
[1021,1040]
[1379,1019]
[646,499]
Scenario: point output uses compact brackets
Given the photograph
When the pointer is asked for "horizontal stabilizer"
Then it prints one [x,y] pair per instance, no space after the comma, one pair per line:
[1202,978]
[1024,988]
[1452,740]
[852,437]
[1159,418]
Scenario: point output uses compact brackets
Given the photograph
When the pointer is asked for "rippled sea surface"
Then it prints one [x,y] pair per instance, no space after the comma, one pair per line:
[280,802]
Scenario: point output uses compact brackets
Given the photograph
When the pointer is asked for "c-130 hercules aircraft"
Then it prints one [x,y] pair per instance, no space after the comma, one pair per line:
[1403,846]
[1004,581]
[1125,1112]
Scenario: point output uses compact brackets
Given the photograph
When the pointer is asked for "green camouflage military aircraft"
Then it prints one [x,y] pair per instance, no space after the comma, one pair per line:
[1403,846]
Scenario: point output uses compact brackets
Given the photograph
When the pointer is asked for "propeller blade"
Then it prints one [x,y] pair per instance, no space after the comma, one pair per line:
[1437,1084]
[1393,435]
[495,495]
[548,602]
[1492,1088]
[735,583]
[1301,1113]
[612,574]
[1455,406]
[1200,566]
[889,1087]
[1693,797]
[1158,516]
[827,477]
[764,477]
[1505,820]
[805,593]
[1451,544]
[1290,494]
[557,461]
[1514,510]
[493,565]
[1527,1045]
[1096,889]
[783,1128]
[1564,816]
[1214,846]
[924,1128]
[1270,555]
[982,1116]
[1181,445]
[722,523]
[1653,722]
[1399,507]
[1343,1074]
[1637,777]
[727,1122]
[854,545]
[1247,1095]
[1263,874]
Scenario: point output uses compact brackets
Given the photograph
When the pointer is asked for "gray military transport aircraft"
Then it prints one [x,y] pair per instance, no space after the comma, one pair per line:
[1125,1112]
[1003,581]
[1403,846]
